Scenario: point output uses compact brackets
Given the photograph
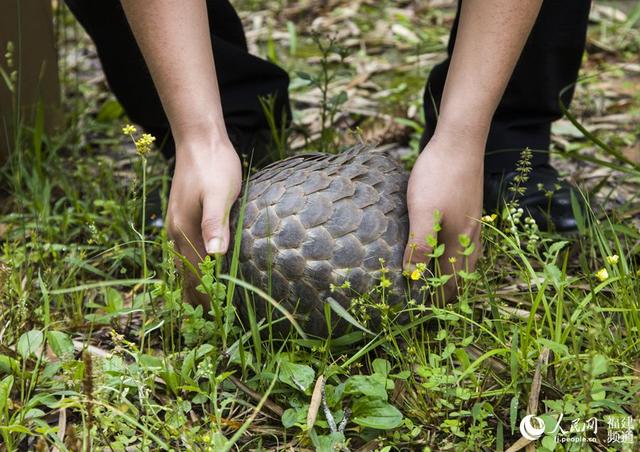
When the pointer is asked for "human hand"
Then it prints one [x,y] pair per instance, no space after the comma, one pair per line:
[447,178]
[206,182]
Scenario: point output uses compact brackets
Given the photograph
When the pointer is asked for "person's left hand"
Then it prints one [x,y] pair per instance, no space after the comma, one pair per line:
[448,178]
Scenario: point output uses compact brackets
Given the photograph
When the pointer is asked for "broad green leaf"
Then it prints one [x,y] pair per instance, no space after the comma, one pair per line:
[289,417]
[375,413]
[60,343]
[298,376]
[5,389]
[381,366]
[29,343]
[295,416]
[9,365]
[327,443]
[549,442]
[368,385]
[599,365]
[114,300]
[150,361]
[557,348]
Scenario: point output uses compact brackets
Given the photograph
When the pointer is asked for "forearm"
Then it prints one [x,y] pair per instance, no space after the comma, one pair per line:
[491,35]
[175,40]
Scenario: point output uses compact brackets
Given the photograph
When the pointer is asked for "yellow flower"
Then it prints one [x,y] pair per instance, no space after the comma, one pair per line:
[602,274]
[452,260]
[416,274]
[143,144]
[613,260]
[489,218]
[385,282]
[129,129]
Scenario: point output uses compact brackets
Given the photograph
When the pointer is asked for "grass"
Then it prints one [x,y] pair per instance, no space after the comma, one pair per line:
[99,351]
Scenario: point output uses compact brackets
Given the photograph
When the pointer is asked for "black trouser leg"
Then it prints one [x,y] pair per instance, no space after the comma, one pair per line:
[549,62]
[243,78]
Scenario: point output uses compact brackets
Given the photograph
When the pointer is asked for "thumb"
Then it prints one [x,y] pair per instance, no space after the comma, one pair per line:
[215,225]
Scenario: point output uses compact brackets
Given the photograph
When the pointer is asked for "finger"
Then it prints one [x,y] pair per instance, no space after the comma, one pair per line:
[188,243]
[417,249]
[215,224]
[454,260]
[189,246]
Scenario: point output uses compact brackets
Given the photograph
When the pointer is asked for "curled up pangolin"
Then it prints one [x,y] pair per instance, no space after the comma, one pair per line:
[316,220]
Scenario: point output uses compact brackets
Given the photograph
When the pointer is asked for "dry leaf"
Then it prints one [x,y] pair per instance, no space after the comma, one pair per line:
[316,400]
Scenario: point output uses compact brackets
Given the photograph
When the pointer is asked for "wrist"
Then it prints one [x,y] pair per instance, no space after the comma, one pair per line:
[203,132]
[473,131]
[204,143]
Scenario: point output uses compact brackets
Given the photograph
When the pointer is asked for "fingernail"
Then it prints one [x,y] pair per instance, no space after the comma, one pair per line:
[214,246]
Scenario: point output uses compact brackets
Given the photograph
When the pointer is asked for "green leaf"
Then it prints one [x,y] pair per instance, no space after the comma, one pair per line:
[289,417]
[9,365]
[29,343]
[368,385]
[110,111]
[553,273]
[114,301]
[295,416]
[327,443]
[342,312]
[438,251]
[381,366]
[150,362]
[375,413]
[549,442]
[298,376]
[403,375]
[513,412]
[555,248]
[557,348]
[599,365]
[60,343]
[5,388]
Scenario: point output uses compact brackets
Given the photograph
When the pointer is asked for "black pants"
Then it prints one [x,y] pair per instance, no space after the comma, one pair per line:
[549,62]
[243,78]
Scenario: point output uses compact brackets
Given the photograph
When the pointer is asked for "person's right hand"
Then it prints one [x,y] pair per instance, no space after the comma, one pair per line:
[206,182]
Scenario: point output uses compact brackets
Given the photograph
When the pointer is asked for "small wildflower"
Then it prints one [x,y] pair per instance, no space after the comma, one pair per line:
[452,260]
[613,260]
[415,275]
[385,282]
[129,129]
[489,218]
[602,274]
[143,144]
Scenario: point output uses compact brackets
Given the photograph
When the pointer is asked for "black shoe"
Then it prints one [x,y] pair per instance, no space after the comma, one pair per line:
[545,197]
